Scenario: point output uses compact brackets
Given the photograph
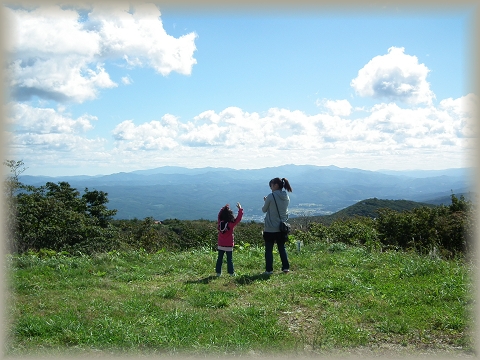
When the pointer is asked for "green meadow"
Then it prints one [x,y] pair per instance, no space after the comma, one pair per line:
[337,299]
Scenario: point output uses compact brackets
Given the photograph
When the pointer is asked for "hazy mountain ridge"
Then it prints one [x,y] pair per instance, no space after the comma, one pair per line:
[182,193]
[366,208]
[369,208]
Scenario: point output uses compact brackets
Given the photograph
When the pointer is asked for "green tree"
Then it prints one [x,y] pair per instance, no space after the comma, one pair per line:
[12,183]
[11,186]
[448,229]
[57,217]
[459,204]
[96,206]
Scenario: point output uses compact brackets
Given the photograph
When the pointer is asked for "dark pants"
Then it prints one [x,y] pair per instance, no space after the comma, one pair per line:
[270,240]
[218,268]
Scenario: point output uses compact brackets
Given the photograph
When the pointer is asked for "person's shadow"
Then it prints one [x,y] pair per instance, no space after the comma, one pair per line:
[241,279]
[201,281]
[249,279]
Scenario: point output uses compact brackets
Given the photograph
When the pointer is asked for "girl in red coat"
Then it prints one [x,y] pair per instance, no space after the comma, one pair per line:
[225,225]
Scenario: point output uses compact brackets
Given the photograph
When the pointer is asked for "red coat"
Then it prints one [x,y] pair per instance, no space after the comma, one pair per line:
[226,239]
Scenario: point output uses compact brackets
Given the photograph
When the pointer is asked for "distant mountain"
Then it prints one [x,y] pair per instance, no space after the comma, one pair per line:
[447,199]
[176,192]
[460,172]
[367,208]
[178,170]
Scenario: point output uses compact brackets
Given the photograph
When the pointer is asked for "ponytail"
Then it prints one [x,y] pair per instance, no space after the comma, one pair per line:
[286,185]
[282,183]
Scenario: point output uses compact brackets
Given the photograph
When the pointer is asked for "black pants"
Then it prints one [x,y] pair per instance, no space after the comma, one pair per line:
[270,239]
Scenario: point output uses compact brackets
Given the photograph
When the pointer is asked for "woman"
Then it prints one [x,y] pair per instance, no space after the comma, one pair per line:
[271,232]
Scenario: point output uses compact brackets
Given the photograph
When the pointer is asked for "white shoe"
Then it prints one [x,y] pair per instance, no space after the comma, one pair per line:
[268,273]
[218,274]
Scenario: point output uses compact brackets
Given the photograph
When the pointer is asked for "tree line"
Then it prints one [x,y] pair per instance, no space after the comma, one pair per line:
[57,217]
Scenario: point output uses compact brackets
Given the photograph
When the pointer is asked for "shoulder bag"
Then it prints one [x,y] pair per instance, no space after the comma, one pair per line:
[284,226]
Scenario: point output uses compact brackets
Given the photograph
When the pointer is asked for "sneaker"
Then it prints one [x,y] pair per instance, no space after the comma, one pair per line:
[218,274]
[233,274]
[268,273]
[286,271]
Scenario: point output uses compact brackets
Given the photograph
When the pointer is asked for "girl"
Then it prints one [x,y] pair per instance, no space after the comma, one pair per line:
[271,232]
[225,226]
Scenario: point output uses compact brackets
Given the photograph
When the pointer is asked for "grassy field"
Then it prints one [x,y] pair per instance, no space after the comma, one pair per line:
[336,299]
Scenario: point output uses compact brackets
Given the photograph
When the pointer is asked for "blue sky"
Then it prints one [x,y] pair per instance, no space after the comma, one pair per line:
[144,86]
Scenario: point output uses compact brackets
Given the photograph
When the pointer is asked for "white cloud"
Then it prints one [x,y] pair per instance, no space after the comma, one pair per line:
[46,63]
[388,135]
[464,114]
[394,76]
[126,80]
[41,144]
[137,35]
[387,127]
[45,132]
[28,119]
[337,107]
[467,105]
[155,135]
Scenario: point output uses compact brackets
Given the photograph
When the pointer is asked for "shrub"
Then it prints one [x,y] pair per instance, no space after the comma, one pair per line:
[351,231]
[56,217]
[448,229]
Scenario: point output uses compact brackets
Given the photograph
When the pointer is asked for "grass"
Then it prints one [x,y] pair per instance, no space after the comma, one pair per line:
[336,298]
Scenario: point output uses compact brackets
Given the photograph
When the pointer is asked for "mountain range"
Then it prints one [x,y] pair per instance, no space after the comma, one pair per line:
[189,194]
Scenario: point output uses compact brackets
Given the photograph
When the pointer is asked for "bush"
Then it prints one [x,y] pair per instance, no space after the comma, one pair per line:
[351,231]
[448,229]
[56,217]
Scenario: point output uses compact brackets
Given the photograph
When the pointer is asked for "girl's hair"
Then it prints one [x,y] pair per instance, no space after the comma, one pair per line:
[226,214]
[282,184]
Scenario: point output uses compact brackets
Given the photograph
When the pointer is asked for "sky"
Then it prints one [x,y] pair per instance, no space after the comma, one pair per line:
[114,87]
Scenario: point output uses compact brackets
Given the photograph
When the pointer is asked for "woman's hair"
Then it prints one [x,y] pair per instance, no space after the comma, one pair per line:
[282,184]
[226,214]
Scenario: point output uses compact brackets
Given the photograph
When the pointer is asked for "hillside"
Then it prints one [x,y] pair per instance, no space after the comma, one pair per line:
[337,302]
[367,208]
[447,200]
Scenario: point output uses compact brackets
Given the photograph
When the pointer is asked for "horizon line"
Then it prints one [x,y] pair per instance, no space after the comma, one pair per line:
[248,169]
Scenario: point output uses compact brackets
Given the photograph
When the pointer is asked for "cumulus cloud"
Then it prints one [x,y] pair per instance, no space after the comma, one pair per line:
[387,127]
[230,128]
[387,132]
[154,135]
[394,76]
[463,112]
[465,105]
[138,36]
[46,63]
[28,119]
[45,129]
[336,107]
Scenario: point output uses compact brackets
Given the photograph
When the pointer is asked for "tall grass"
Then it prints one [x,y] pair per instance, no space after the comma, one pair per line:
[336,298]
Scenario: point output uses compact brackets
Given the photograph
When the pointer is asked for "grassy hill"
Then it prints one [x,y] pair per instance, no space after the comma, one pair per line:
[367,208]
[337,300]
